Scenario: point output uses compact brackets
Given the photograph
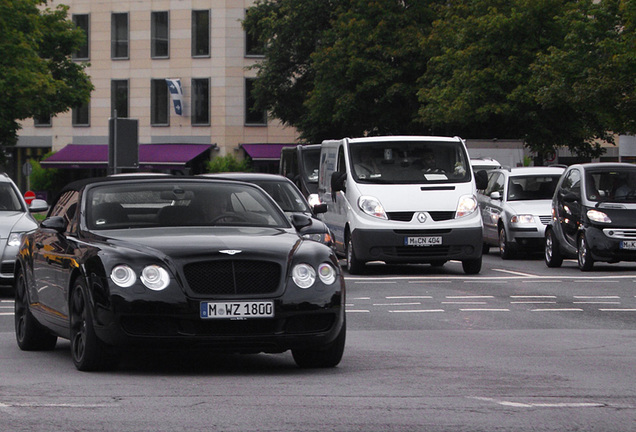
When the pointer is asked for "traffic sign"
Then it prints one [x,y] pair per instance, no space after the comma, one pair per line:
[29,196]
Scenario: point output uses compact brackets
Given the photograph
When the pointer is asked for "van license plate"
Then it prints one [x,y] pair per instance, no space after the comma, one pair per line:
[237,310]
[422,241]
[631,244]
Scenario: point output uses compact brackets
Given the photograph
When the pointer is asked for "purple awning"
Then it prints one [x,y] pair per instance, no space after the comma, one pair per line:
[264,151]
[158,156]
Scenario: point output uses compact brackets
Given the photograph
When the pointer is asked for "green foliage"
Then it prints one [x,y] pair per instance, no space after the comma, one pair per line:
[556,73]
[37,75]
[228,163]
[45,179]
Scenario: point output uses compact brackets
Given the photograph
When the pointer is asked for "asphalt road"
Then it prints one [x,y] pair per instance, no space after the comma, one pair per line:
[519,347]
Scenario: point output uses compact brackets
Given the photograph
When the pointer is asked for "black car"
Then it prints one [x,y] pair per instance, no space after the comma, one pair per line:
[593,215]
[168,261]
[290,199]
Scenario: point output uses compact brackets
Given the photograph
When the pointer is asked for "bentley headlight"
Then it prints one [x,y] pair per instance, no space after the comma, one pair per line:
[14,239]
[598,216]
[123,276]
[303,275]
[522,219]
[155,277]
[466,206]
[326,273]
[372,207]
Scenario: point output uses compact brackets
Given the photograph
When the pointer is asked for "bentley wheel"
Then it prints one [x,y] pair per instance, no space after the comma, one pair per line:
[88,352]
[29,333]
[586,262]
[322,357]
[552,254]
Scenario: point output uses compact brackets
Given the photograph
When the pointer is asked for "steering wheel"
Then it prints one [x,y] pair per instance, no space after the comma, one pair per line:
[228,217]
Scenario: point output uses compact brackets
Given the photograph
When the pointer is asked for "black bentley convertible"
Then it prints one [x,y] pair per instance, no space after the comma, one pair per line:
[169,261]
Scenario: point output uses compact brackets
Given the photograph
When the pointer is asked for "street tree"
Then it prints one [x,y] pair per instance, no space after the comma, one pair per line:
[37,75]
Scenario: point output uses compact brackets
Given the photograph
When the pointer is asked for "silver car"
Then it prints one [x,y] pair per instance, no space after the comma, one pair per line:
[515,207]
[15,220]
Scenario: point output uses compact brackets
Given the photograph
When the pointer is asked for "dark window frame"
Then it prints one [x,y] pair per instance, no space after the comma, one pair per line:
[156,88]
[157,39]
[83,53]
[252,118]
[77,115]
[201,37]
[115,103]
[199,118]
[119,48]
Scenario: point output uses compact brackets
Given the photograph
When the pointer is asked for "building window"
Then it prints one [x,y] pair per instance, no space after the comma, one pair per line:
[82,22]
[119,36]
[159,102]
[81,115]
[119,98]
[160,35]
[253,116]
[253,48]
[43,120]
[201,101]
[200,33]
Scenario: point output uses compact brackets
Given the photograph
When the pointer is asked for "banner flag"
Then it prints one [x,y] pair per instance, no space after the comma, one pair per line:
[174,87]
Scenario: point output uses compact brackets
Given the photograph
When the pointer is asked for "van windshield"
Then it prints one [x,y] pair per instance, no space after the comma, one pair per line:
[409,162]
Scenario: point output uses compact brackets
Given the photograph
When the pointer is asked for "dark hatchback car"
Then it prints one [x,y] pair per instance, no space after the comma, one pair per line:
[290,199]
[122,262]
[593,215]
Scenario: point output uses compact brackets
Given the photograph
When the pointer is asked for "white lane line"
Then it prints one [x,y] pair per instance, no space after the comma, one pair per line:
[597,297]
[6,313]
[617,310]
[558,310]
[408,297]
[397,304]
[514,272]
[591,281]
[417,311]
[54,405]
[490,282]
[361,298]
[470,297]
[533,302]
[429,281]
[532,296]
[463,302]
[357,311]
[553,281]
[369,282]
[484,310]
[596,302]
[541,404]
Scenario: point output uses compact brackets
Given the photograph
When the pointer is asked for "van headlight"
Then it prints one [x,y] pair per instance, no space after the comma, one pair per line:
[371,206]
[467,205]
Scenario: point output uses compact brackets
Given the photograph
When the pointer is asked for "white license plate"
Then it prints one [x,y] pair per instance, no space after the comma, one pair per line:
[422,241]
[237,310]
[631,244]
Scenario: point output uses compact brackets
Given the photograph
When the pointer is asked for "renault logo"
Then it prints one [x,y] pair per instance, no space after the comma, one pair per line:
[421,217]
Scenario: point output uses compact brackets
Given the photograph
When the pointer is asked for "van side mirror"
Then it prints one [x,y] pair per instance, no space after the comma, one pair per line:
[481,179]
[338,180]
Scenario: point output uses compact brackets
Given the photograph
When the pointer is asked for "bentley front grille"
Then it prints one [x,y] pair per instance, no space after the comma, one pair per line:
[229,277]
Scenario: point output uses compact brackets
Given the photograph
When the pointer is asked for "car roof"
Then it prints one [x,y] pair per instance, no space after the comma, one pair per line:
[604,165]
[396,138]
[539,170]
[243,176]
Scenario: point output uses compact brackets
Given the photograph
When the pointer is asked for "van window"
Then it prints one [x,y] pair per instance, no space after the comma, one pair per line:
[409,162]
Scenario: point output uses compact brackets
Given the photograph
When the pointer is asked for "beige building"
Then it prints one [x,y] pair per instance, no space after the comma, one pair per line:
[132,48]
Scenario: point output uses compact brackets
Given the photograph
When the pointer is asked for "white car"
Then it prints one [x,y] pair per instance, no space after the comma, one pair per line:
[15,220]
[515,207]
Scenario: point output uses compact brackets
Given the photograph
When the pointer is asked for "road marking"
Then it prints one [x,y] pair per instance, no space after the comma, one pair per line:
[463,302]
[617,310]
[558,310]
[515,272]
[484,310]
[541,404]
[592,281]
[532,296]
[6,313]
[53,405]
[408,297]
[470,297]
[596,302]
[397,304]
[533,302]
[597,297]
[369,281]
[553,281]
[361,298]
[417,311]
[357,311]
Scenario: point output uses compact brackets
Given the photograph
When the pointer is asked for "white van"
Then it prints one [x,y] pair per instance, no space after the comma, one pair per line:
[401,199]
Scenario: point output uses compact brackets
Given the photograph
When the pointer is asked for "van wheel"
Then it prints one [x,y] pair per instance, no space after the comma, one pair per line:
[586,262]
[552,255]
[354,265]
[472,266]
[506,249]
